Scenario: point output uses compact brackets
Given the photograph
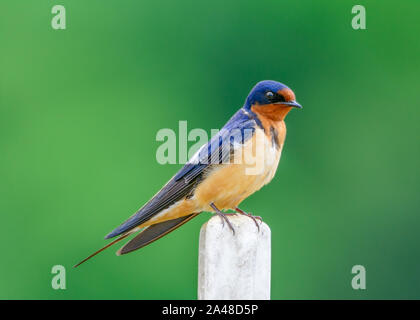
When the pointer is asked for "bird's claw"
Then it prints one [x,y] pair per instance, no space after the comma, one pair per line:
[223,217]
[254,218]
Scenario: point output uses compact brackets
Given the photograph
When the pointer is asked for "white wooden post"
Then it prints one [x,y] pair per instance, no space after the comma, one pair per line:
[234,267]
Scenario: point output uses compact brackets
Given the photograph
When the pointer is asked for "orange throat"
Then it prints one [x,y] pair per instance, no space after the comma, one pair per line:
[271,112]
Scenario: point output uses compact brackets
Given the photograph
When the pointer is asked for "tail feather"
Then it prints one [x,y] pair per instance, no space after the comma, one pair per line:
[153,233]
[107,246]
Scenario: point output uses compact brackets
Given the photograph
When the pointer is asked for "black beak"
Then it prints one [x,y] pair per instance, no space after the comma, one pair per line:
[293,103]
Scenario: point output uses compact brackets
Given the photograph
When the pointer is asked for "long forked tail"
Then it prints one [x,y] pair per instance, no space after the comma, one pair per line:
[147,236]
[107,246]
[153,233]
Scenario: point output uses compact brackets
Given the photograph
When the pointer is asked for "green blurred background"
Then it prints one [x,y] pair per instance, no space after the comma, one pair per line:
[80,109]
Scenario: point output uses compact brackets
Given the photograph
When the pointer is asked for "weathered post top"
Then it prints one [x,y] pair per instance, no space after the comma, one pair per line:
[234,266]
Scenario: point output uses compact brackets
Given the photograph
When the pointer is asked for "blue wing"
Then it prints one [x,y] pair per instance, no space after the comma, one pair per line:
[237,130]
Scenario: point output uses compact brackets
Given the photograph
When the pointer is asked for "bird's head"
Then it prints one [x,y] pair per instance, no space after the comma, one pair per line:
[271,99]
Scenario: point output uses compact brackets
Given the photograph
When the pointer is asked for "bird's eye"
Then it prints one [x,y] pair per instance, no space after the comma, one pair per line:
[269,95]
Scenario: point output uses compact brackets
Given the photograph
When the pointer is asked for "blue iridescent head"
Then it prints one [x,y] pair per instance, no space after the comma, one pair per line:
[270,92]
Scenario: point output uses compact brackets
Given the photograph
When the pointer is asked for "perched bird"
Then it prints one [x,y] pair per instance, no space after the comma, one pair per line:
[220,175]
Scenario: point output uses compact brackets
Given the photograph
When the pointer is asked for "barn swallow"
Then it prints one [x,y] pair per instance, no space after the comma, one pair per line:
[212,180]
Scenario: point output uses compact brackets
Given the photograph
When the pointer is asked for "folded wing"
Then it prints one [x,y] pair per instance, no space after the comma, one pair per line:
[216,151]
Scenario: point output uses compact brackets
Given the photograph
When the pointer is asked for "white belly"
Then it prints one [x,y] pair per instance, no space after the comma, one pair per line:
[266,156]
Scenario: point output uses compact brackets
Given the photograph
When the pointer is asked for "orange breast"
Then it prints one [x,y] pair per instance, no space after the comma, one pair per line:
[229,184]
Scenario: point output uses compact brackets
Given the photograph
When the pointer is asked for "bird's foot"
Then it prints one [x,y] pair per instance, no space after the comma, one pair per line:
[254,218]
[223,217]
